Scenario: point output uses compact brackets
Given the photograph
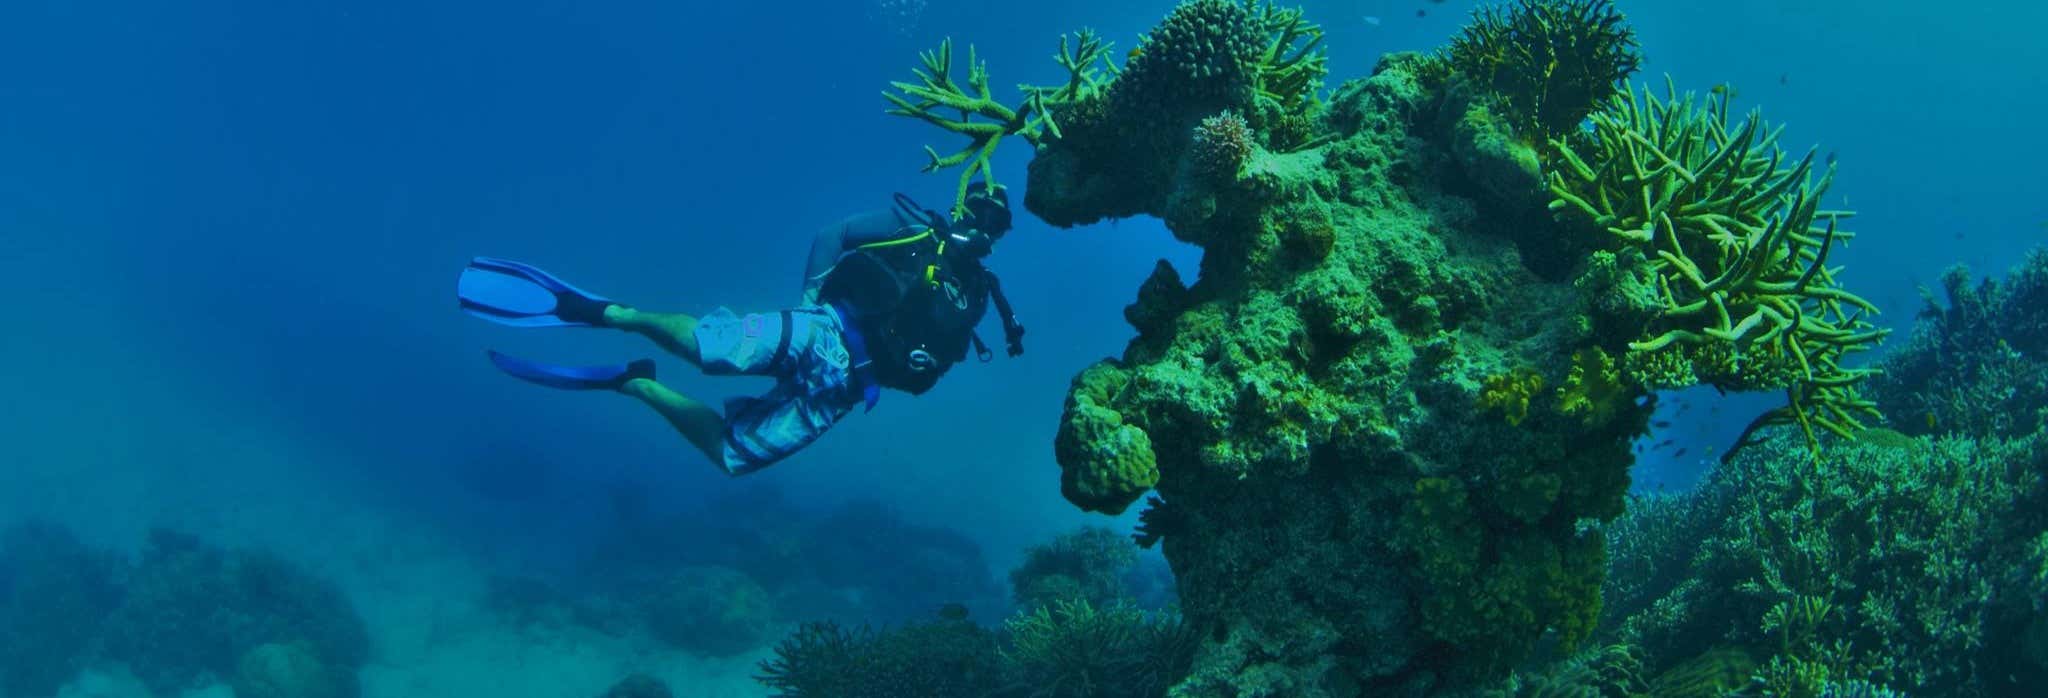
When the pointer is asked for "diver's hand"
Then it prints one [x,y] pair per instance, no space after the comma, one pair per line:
[1014,338]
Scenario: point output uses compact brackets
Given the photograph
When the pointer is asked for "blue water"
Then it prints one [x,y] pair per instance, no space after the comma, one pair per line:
[229,233]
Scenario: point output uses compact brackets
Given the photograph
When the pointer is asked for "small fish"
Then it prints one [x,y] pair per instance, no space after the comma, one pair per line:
[1422,13]
[1683,406]
[1959,235]
[1660,424]
[953,611]
[1930,420]
[1374,21]
[1831,158]
[1136,51]
[1666,442]
[1784,78]
[1726,91]
[1679,454]
[1708,452]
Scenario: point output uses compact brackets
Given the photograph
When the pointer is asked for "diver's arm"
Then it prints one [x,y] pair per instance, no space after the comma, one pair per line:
[840,238]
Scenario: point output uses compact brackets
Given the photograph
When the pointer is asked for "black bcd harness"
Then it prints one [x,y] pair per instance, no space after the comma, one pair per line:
[917,297]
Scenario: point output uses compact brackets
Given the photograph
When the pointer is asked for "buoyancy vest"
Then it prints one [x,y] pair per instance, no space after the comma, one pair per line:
[915,303]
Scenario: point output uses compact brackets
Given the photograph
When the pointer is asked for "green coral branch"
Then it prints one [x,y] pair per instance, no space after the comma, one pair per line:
[1290,70]
[1087,58]
[973,111]
[981,118]
[1738,242]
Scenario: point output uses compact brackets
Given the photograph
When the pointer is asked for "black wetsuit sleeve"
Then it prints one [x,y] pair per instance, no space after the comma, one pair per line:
[839,238]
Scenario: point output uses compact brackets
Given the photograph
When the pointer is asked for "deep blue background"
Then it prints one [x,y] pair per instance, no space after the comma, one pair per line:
[263,206]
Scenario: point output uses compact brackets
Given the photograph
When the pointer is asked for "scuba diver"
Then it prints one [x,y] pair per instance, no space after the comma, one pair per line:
[890,300]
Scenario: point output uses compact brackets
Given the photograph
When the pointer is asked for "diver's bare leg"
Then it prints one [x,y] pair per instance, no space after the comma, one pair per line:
[675,332]
[697,422]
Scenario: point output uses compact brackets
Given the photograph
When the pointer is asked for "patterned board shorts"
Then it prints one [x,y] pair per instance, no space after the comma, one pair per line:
[805,351]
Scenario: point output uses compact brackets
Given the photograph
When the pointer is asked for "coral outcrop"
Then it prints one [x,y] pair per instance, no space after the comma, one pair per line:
[55,596]
[942,659]
[708,610]
[1895,565]
[190,610]
[1067,649]
[1910,563]
[294,670]
[1398,389]
[1087,565]
[638,686]
[1371,448]
[1976,366]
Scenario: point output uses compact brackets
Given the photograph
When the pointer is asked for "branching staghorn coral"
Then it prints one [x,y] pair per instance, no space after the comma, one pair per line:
[1071,649]
[1085,78]
[1292,67]
[1907,562]
[1739,247]
[936,93]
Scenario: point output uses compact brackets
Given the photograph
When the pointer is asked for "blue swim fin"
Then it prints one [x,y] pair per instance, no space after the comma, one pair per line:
[573,377]
[510,293]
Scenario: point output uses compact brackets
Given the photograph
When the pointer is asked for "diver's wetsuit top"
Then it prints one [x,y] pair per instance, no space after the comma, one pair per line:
[846,236]
[913,332]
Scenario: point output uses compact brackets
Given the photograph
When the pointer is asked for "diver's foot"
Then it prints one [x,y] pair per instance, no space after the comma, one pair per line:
[578,308]
[641,368]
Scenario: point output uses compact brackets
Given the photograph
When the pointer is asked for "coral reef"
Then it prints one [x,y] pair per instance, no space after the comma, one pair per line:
[186,615]
[1913,564]
[944,659]
[1547,63]
[1382,420]
[1121,150]
[708,610]
[190,611]
[1071,649]
[1979,366]
[1889,566]
[813,565]
[1611,671]
[1738,248]
[1318,413]
[1088,565]
[55,593]
[292,670]
[637,686]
